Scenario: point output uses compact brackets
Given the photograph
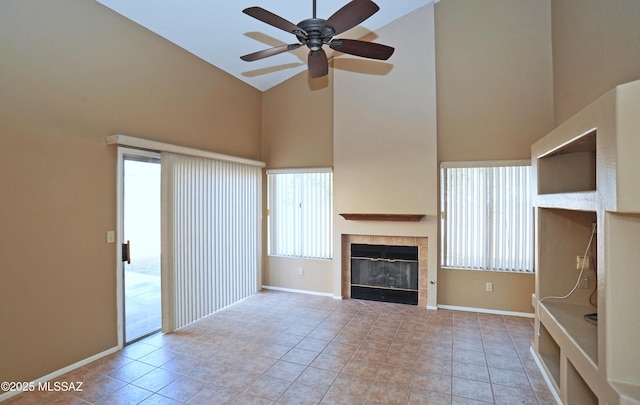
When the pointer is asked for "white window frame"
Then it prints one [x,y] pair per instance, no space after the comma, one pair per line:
[474,237]
[307,218]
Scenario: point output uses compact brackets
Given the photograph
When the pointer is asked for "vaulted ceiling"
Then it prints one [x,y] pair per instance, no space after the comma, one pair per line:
[219,33]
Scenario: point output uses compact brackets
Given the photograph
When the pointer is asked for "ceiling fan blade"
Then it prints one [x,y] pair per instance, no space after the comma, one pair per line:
[362,48]
[318,63]
[268,17]
[352,14]
[269,52]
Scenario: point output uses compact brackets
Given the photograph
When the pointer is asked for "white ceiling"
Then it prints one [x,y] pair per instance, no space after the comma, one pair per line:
[219,32]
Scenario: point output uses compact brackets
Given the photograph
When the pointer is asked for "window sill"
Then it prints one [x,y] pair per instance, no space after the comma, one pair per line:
[490,270]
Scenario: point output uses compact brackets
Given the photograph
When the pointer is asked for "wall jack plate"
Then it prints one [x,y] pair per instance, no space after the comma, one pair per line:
[580,259]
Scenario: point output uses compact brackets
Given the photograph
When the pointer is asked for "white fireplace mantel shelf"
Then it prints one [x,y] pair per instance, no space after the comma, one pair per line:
[384,217]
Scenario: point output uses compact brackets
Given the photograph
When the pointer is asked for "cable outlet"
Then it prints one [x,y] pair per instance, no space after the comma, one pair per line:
[580,260]
[489,287]
[300,271]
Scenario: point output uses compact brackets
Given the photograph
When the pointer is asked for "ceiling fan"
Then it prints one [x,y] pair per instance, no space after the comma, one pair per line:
[316,32]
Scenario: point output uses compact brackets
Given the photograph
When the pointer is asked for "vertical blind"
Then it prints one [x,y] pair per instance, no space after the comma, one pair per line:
[210,236]
[487,219]
[300,209]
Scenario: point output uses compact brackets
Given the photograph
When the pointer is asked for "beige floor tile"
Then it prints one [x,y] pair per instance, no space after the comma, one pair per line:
[317,377]
[339,398]
[395,375]
[422,397]
[131,371]
[183,388]
[215,394]
[157,399]
[330,362]
[285,370]
[480,391]
[432,382]
[352,385]
[300,356]
[300,394]
[129,394]
[510,395]
[315,344]
[391,394]
[285,348]
[470,371]
[268,387]
[156,379]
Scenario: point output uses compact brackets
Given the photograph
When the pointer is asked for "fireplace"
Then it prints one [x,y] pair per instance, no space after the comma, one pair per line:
[384,273]
[387,240]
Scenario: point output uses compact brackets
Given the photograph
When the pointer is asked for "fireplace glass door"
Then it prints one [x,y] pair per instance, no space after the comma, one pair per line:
[385,273]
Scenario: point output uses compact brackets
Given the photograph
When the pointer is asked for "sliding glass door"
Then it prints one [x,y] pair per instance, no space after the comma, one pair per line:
[141,247]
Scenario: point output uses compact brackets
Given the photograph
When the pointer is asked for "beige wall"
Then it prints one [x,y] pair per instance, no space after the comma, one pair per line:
[596,46]
[385,137]
[297,128]
[495,84]
[297,123]
[71,73]
[495,98]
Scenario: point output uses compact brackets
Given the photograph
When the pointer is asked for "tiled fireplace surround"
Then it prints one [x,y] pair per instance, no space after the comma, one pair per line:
[420,242]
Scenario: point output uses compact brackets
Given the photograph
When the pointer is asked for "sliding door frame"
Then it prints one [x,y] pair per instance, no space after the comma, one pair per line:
[124,153]
[131,146]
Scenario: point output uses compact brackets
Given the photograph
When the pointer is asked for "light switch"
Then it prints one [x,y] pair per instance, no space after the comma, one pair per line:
[111,236]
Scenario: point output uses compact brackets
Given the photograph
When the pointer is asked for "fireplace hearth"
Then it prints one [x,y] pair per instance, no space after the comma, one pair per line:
[384,273]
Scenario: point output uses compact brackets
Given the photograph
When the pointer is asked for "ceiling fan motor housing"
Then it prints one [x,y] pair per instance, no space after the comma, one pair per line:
[317,33]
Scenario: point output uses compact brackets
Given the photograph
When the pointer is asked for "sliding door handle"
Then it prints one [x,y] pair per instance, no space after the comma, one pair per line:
[126,252]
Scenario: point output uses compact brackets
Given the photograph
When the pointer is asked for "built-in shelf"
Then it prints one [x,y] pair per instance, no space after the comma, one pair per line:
[384,217]
[579,333]
[582,200]
[587,202]
[549,352]
[570,167]
[578,391]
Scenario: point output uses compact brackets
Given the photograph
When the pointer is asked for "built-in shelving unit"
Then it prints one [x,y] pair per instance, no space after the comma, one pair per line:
[587,203]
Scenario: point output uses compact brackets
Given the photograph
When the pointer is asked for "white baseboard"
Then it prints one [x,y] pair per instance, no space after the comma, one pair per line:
[58,373]
[488,311]
[433,307]
[293,290]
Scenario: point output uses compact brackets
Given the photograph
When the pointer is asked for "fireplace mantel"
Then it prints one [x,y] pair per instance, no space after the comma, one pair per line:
[384,217]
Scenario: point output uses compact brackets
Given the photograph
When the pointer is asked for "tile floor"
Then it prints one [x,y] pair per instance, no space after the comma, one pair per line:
[285,348]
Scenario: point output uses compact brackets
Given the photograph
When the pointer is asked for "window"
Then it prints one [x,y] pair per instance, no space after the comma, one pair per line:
[300,213]
[487,217]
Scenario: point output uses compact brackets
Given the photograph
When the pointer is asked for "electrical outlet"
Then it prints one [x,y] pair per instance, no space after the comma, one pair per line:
[580,259]
[111,237]
[300,271]
[489,287]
